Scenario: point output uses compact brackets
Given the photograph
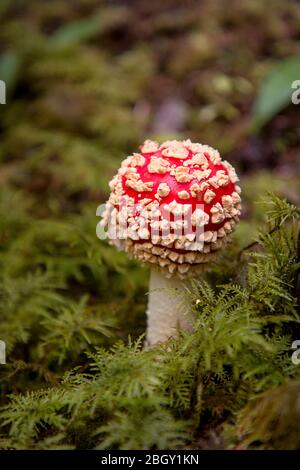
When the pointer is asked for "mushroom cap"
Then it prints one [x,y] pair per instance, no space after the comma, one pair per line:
[173,205]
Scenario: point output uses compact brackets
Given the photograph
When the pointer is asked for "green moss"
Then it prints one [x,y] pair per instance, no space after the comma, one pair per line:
[72,308]
[240,347]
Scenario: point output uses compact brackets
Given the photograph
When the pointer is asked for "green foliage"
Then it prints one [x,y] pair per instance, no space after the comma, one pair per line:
[76,32]
[278,210]
[86,86]
[10,65]
[276,91]
[272,419]
[126,397]
[81,31]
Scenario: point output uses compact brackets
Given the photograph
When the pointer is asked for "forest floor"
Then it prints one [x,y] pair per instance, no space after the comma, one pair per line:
[87,83]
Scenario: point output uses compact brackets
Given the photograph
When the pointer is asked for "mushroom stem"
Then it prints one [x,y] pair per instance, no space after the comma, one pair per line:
[168,308]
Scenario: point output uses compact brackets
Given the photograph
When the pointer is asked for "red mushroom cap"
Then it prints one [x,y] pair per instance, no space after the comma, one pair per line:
[173,205]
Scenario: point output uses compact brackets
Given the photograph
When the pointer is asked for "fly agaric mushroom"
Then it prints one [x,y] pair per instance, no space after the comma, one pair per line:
[173,207]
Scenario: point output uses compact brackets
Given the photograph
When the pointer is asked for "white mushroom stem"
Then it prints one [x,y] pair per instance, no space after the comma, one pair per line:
[168,308]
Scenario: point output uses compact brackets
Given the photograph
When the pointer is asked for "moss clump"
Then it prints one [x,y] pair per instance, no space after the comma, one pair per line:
[85,87]
[123,397]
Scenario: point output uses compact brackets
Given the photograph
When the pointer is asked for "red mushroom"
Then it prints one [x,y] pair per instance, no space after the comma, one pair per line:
[172,206]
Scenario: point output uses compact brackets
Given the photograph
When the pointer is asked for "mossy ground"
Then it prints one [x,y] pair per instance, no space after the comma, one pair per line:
[72,308]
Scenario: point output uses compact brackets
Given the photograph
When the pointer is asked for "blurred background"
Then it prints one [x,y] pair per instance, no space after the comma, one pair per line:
[87,81]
